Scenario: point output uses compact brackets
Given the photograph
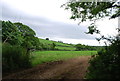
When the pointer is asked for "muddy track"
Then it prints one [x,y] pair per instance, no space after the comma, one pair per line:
[69,69]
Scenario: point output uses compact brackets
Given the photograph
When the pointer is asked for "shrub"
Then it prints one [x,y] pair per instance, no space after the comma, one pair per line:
[14,58]
[47,38]
[106,65]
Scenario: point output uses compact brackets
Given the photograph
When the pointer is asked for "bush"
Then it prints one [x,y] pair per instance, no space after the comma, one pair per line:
[47,38]
[14,58]
[106,65]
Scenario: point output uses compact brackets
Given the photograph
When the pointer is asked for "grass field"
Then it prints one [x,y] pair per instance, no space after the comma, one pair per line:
[50,42]
[39,57]
[59,46]
[65,48]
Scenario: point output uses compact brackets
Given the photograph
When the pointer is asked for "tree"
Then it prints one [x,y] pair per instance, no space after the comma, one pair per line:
[60,41]
[79,47]
[92,11]
[19,34]
[30,41]
[26,30]
[47,38]
[106,65]
[11,34]
[17,41]
[53,46]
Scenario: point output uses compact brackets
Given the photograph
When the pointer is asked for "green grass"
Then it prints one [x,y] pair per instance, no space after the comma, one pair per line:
[50,42]
[59,46]
[65,48]
[39,57]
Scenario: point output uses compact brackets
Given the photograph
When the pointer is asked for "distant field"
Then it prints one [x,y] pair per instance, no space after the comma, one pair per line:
[57,43]
[39,57]
[65,48]
[59,46]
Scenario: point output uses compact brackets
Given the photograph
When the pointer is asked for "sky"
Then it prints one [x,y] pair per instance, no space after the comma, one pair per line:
[49,20]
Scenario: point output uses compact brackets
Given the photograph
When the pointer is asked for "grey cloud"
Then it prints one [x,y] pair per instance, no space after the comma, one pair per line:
[45,27]
[62,30]
[9,13]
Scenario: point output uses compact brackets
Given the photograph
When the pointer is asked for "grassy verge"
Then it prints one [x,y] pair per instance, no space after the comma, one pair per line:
[39,57]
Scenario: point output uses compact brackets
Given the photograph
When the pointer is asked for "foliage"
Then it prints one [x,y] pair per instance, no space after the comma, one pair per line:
[14,58]
[30,41]
[47,56]
[17,39]
[92,11]
[64,48]
[10,33]
[80,47]
[106,65]
[48,45]
[19,34]
[53,45]
[26,31]
[60,41]
[47,38]
[50,42]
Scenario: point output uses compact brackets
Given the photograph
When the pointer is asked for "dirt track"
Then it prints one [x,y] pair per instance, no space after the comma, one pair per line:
[69,69]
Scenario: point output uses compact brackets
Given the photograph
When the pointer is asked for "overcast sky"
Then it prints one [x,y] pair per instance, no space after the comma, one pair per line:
[48,20]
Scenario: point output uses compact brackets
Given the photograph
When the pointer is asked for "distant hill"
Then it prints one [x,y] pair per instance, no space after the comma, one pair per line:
[59,45]
[46,45]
